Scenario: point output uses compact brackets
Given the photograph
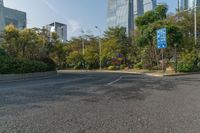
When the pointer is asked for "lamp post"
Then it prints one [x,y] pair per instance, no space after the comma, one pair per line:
[100,48]
[176,61]
[83,43]
[83,46]
[195,21]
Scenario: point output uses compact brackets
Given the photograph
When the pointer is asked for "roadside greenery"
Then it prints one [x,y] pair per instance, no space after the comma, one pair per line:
[33,50]
[11,65]
[25,51]
[140,51]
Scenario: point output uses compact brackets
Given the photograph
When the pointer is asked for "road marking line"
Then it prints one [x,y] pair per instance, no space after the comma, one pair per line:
[115,81]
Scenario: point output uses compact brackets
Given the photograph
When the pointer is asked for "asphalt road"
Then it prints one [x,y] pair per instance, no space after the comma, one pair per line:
[101,103]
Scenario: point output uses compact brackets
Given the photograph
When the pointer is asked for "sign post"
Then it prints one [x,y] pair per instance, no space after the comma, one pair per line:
[162,42]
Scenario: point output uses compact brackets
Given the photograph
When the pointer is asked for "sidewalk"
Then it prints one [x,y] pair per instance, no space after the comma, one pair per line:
[154,73]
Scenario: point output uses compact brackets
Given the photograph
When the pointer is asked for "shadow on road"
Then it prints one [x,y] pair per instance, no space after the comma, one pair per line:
[91,89]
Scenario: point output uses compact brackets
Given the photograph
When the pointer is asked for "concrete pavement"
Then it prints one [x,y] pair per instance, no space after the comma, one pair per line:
[101,103]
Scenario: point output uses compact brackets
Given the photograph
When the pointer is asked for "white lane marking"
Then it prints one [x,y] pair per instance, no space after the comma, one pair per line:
[115,81]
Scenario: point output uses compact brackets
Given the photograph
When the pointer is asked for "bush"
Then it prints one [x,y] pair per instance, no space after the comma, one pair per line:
[11,65]
[112,68]
[51,64]
[138,65]
[122,67]
[78,66]
[188,62]
[2,52]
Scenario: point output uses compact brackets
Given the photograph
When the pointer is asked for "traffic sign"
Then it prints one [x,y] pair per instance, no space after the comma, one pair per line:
[162,38]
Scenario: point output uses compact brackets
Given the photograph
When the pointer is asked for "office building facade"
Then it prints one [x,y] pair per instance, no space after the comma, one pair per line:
[124,12]
[11,16]
[149,5]
[119,13]
[60,29]
[187,4]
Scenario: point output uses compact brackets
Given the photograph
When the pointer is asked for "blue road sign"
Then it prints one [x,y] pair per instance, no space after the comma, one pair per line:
[162,38]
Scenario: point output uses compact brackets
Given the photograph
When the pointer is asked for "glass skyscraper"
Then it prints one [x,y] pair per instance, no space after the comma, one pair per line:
[149,5]
[119,13]
[60,29]
[11,16]
[188,4]
[123,12]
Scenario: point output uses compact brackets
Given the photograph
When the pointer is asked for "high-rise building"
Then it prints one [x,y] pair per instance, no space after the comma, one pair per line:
[2,23]
[124,12]
[11,16]
[188,4]
[119,13]
[138,8]
[1,2]
[60,29]
[149,5]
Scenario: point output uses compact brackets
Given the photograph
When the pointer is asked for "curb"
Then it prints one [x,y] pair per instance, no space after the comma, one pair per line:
[18,77]
[95,71]
[128,72]
[180,74]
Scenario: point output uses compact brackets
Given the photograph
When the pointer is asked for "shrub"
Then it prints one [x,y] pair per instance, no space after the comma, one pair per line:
[78,66]
[111,68]
[138,65]
[2,52]
[122,67]
[51,64]
[188,62]
[11,65]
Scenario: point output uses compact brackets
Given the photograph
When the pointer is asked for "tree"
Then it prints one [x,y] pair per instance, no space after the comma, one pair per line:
[116,45]
[28,44]
[75,59]
[59,54]
[91,56]
[11,42]
[145,35]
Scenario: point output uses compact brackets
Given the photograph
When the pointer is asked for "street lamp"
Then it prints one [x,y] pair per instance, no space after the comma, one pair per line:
[176,61]
[83,46]
[100,48]
[195,20]
[83,43]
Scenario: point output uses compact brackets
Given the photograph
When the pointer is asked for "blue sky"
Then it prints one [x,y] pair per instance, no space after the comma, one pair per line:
[78,14]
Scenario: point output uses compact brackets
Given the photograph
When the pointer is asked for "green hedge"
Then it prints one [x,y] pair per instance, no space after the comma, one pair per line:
[11,65]
[188,62]
[112,68]
[2,52]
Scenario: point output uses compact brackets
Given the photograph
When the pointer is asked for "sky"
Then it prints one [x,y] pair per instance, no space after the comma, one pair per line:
[77,14]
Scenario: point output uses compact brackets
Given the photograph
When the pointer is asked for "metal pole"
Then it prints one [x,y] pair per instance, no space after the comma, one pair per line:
[195,22]
[176,62]
[162,61]
[178,5]
[83,46]
[100,48]
[100,54]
